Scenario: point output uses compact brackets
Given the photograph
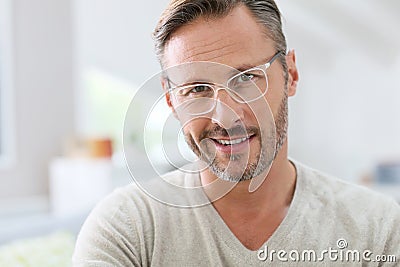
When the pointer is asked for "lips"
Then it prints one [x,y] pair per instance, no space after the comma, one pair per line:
[230,142]
[233,145]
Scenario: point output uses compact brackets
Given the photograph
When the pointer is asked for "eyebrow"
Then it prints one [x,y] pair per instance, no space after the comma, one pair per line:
[245,67]
[189,82]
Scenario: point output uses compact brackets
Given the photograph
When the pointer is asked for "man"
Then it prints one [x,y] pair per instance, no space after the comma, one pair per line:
[227,78]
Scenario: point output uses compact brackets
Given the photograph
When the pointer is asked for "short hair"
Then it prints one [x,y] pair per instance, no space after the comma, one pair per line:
[182,12]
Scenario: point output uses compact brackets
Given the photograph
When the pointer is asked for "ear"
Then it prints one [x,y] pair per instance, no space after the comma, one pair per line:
[293,74]
[165,86]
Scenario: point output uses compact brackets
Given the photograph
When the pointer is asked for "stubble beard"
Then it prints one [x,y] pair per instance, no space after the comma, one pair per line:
[239,168]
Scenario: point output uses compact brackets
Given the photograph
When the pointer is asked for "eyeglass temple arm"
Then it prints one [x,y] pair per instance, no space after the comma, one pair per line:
[169,82]
[268,64]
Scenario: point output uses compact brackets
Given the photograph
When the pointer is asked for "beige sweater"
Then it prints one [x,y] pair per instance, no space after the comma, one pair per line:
[329,223]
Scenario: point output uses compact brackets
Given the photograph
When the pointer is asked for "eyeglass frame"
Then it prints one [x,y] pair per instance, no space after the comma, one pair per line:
[262,67]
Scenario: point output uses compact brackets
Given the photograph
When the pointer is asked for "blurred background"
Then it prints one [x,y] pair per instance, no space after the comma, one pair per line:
[69,69]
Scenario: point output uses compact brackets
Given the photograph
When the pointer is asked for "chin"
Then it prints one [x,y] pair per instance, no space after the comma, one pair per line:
[236,173]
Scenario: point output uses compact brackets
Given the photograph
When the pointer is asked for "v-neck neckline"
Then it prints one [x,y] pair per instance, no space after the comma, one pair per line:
[277,237]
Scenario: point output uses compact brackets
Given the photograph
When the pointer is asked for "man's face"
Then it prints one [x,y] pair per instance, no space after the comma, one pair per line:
[237,41]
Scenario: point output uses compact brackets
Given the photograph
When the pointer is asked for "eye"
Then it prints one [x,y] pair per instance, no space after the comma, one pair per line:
[199,89]
[245,77]
[195,90]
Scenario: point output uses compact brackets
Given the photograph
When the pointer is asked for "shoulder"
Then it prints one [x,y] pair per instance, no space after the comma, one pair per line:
[139,199]
[108,235]
[120,228]
[337,209]
[334,191]
[345,202]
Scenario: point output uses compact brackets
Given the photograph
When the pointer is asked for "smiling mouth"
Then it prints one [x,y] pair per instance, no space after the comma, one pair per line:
[230,142]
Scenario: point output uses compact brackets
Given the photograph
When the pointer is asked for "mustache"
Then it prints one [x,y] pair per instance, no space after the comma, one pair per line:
[237,130]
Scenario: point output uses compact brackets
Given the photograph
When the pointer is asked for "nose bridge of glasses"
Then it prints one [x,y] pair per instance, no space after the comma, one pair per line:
[226,105]
[228,92]
[226,110]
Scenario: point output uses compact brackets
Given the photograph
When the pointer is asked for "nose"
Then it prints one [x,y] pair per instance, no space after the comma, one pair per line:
[227,112]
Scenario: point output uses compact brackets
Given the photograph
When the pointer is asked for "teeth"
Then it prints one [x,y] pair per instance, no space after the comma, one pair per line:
[232,142]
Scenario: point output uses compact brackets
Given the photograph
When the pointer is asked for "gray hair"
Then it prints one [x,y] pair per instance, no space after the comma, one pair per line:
[181,12]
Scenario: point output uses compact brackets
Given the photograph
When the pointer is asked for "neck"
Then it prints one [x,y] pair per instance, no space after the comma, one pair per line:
[275,192]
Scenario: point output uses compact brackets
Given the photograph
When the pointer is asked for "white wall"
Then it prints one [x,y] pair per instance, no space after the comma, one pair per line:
[345,117]
[44,104]
[114,37]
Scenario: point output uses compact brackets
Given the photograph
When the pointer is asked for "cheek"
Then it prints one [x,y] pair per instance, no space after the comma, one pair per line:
[276,88]
[274,104]
[274,98]
[195,127]
[263,112]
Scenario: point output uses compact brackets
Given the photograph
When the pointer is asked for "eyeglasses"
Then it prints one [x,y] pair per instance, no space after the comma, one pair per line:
[244,87]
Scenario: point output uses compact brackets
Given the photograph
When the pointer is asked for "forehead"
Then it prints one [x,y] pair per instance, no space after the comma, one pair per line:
[200,72]
[233,40]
